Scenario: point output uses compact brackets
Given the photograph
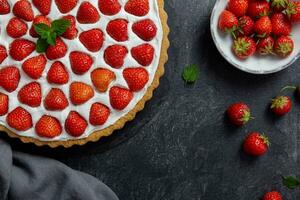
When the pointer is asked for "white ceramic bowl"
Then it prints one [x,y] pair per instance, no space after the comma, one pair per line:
[255,64]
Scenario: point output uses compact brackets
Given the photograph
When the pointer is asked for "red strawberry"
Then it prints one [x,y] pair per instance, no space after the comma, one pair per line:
[4,7]
[136,78]
[72,31]
[44,6]
[145,29]
[57,51]
[256,144]
[99,114]
[143,54]
[281,25]
[118,29]
[239,114]
[58,74]
[281,105]
[35,66]
[274,195]
[238,7]
[109,7]
[137,7]
[75,124]
[284,46]
[48,127]
[87,13]
[31,94]
[80,62]
[3,104]
[279,5]
[9,78]
[120,97]
[40,19]
[21,48]
[23,9]
[92,39]
[263,26]
[66,6]
[228,22]
[16,28]
[244,47]
[114,55]
[56,100]
[258,8]
[19,119]
[102,78]
[3,53]
[293,11]
[265,46]
[246,26]
[80,93]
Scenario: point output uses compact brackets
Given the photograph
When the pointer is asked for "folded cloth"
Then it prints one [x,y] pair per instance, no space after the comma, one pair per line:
[29,177]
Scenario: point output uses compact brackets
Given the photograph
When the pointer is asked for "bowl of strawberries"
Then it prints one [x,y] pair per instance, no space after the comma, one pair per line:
[257,36]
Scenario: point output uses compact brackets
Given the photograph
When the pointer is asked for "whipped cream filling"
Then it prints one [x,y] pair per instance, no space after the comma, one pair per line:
[76,45]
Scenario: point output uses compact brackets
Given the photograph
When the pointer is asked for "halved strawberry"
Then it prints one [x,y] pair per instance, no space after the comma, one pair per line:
[137,7]
[9,78]
[280,24]
[23,9]
[66,6]
[238,7]
[284,46]
[87,13]
[58,74]
[4,101]
[31,94]
[56,100]
[48,127]
[92,39]
[75,124]
[265,46]
[21,48]
[4,7]
[19,119]
[80,62]
[99,114]
[143,54]
[109,7]
[3,54]
[257,9]
[120,97]
[44,6]
[244,47]
[16,28]
[80,93]
[71,32]
[57,51]
[118,29]
[35,66]
[145,29]
[40,19]
[102,78]
[136,78]
[114,55]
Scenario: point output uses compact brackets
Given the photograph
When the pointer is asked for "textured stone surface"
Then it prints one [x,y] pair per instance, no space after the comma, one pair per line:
[180,146]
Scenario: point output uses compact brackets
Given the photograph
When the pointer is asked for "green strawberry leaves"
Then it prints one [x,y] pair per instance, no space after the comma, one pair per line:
[190,74]
[49,34]
[291,182]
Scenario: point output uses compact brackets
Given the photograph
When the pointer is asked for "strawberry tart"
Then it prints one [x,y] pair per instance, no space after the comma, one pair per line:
[73,71]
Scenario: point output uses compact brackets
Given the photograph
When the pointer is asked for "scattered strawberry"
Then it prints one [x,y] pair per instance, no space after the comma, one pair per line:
[4,7]
[281,105]
[4,101]
[244,47]
[102,78]
[238,7]
[3,54]
[34,66]
[92,39]
[80,93]
[9,78]
[120,97]
[256,144]
[58,74]
[72,32]
[257,9]
[87,13]
[31,94]
[136,78]
[44,6]
[143,54]
[80,62]
[239,114]
[23,9]
[21,48]
[75,124]
[16,28]
[293,11]
[284,46]
[265,46]
[19,119]
[118,29]
[56,100]
[137,7]
[145,29]
[40,19]
[281,25]
[109,7]
[228,22]
[99,114]
[263,27]
[114,55]
[66,6]
[48,127]
[274,195]
[57,51]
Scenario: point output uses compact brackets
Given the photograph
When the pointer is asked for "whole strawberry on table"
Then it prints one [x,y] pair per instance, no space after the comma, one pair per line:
[262,26]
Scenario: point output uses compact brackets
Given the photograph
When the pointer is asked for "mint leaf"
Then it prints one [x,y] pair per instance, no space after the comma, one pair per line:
[41,45]
[291,182]
[190,74]
[43,30]
[60,26]
[51,39]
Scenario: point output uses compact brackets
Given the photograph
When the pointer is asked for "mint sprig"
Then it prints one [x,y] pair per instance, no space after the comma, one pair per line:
[291,182]
[190,74]
[49,34]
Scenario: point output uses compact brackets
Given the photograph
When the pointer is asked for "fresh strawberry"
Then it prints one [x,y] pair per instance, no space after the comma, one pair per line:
[281,25]
[75,124]
[281,105]
[120,97]
[279,5]
[145,29]
[80,62]
[114,55]
[87,13]
[19,119]
[80,93]
[3,54]
[66,6]
[23,9]
[109,7]
[4,101]
[92,39]
[9,78]
[102,78]
[256,144]
[35,66]
[143,54]
[228,22]
[137,7]
[44,6]
[257,9]
[263,27]
[21,48]
[293,11]
[71,32]
[244,47]
[239,114]
[57,51]
[16,28]
[56,100]
[238,7]
[58,74]
[40,19]
[48,127]
[99,114]
[274,195]
[265,46]
[284,46]
[246,26]
[4,7]
[118,29]
[31,94]
[136,78]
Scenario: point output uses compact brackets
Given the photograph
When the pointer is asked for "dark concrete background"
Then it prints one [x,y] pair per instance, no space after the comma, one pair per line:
[180,146]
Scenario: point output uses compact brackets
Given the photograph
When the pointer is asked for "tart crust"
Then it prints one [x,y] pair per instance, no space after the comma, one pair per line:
[97,135]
